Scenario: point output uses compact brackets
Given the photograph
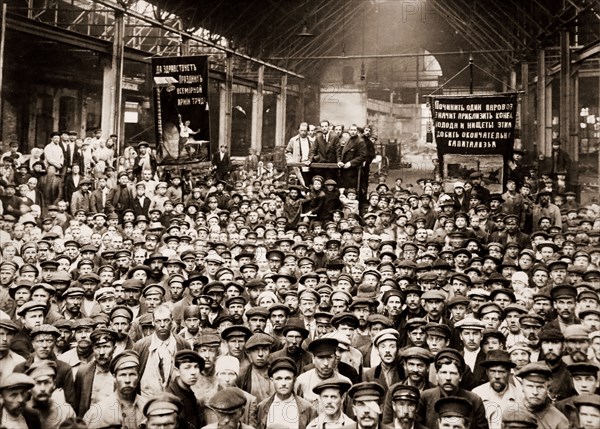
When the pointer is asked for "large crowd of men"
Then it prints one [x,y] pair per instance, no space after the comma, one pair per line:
[250,298]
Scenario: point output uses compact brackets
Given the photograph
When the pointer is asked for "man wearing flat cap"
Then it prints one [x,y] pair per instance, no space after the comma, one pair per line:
[254,378]
[188,365]
[125,406]
[8,358]
[588,407]
[386,373]
[228,404]
[564,301]
[94,381]
[284,409]
[330,394]
[43,340]
[535,378]
[450,367]
[51,411]
[14,392]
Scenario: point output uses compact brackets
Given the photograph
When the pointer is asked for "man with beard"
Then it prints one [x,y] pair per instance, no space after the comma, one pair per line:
[386,372]
[94,382]
[536,378]
[89,283]
[284,408]
[531,326]
[542,306]
[366,404]
[188,365]
[43,339]
[511,233]
[558,273]
[73,298]
[120,322]
[405,402]
[254,379]
[120,198]
[413,308]
[450,367]
[51,412]
[577,344]
[294,334]
[498,394]
[208,349]
[14,392]
[216,292]
[551,350]
[544,208]
[83,351]
[564,301]
[156,262]
[325,366]
[362,309]
[124,408]
[132,291]
[157,352]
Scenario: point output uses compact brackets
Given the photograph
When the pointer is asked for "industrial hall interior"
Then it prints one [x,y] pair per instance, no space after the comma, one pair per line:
[300,214]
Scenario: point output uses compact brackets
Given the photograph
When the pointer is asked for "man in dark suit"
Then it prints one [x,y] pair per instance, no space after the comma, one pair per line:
[188,365]
[144,161]
[94,383]
[221,163]
[99,198]
[43,340]
[120,198]
[326,148]
[141,203]
[282,373]
[353,154]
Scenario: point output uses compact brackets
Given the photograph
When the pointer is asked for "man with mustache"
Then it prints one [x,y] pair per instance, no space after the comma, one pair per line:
[124,408]
[294,333]
[386,342]
[14,392]
[405,402]
[188,365]
[498,394]
[51,412]
[552,343]
[450,367]
[83,351]
[564,301]
[254,379]
[120,322]
[531,326]
[577,344]
[536,378]
[330,404]
[366,404]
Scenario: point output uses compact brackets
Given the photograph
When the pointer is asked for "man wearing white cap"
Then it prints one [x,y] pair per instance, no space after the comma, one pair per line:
[471,333]
[386,373]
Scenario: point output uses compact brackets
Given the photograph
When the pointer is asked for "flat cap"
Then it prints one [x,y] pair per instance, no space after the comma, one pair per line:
[453,406]
[189,356]
[45,329]
[552,335]
[367,391]
[163,404]
[16,380]
[434,295]
[283,363]
[576,332]
[386,334]
[563,291]
[332,383]
[42,368]
[518,418]
[228,400]
[345,318]
[209,338]
[125,359]
[259,339]
[9,325]
[584,368]
[531,320]
[497,357]
[417,353]
[535,371]
[31,306]
[102,336]
[591,399]
[121,311]
[323,346]
[438,329]
[236,331]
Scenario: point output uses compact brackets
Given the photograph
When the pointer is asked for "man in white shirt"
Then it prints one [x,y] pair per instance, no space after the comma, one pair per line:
[53,152]
[471,333]
[498,394]
[298,150]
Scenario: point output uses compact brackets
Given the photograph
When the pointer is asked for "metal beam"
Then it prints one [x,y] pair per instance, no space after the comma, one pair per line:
[404,55]
[199,39]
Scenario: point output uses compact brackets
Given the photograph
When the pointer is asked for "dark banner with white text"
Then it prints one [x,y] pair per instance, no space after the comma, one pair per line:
[181,108]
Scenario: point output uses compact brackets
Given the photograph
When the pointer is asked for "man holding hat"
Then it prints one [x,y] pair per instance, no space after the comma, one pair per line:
[536,378]
[331,392]
[366,404]
[51,412]
[14,392]
[499,393]
[284,409]
[188,365]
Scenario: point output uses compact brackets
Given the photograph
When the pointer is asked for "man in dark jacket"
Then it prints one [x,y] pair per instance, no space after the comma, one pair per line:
[188,365]
[221,163]
[353,154]
[14,391]
[326,149]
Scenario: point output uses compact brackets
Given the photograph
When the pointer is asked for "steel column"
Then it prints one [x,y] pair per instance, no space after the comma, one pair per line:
[565,91]
[541,102]
[257,111]
[280,114]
